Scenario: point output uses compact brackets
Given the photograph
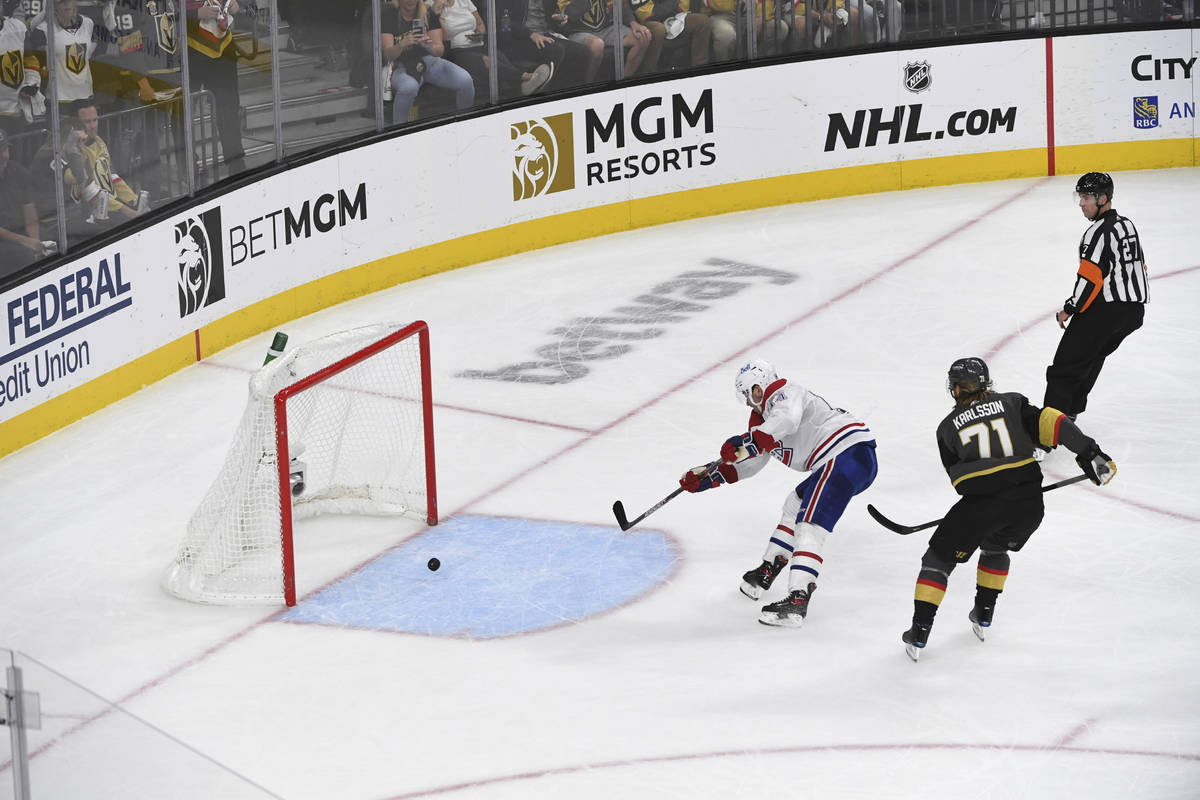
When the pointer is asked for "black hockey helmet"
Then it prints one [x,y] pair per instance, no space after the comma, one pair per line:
[1095,184]
[969,373]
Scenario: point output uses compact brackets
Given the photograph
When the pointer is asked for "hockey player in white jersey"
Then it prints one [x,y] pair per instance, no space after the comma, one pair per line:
[803,431]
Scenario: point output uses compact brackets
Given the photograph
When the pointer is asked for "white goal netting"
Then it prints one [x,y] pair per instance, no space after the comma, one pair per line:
[356,442]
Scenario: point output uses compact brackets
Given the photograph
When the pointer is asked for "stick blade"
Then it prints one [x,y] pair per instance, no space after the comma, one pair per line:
[619,513]
[903,530]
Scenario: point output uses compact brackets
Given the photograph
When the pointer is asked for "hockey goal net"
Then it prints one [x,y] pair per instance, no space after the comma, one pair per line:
[342,424]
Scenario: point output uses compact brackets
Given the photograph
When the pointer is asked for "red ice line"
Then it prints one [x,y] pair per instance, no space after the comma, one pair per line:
[772,751]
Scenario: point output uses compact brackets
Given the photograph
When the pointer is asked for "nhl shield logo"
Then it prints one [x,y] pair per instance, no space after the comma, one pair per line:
[543,156]
[918,76]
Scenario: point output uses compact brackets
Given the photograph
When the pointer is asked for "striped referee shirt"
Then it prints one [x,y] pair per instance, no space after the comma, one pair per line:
[1112,268]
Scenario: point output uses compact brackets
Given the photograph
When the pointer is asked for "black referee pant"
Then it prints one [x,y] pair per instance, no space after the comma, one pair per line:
[1091,337]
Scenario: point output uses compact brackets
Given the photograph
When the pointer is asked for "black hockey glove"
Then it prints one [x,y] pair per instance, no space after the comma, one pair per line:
[1096,464]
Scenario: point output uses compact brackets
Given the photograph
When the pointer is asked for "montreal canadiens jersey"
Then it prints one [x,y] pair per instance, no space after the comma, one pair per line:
[808,429]
[12,64]
[73,50]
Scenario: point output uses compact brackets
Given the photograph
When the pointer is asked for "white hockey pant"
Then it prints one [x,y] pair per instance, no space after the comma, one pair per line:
[801,543]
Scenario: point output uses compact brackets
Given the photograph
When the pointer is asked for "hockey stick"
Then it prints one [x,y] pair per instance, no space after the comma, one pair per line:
[619,509]
[905,530]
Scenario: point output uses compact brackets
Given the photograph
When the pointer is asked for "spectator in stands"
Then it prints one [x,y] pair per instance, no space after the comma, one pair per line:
[20,82]
[141,70]
[672,26]
[771,29]
[411,38]
[723,22]
[583,20]
[831,23]
[102,194]
[141,59]
[212,65]
[20,241]
[76,42]
[531,40]
[878,18]
[463,29]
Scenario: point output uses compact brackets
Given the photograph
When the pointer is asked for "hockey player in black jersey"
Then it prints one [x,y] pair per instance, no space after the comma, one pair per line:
[987,443]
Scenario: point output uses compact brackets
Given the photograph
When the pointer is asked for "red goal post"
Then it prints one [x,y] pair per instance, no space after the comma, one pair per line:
[343,424]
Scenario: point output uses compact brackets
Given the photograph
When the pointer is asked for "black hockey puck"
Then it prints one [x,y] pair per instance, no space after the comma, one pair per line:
[433,564]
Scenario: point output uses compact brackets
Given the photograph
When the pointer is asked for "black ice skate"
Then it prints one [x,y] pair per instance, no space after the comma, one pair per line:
[914,639]
[759,579]
[981,617]
[790,611]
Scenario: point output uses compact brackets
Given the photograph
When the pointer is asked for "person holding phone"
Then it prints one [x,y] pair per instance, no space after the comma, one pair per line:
[411,39]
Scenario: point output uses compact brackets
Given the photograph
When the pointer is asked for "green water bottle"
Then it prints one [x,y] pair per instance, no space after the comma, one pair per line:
[277,345]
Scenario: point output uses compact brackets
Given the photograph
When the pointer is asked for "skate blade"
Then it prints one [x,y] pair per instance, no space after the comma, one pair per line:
[913,651]
[750,590]
[777,621]
[975,626]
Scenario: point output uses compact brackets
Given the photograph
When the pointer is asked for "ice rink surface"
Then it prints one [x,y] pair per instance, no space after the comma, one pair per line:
[553,656]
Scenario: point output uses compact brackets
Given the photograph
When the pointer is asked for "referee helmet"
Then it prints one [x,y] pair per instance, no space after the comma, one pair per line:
[1095,184]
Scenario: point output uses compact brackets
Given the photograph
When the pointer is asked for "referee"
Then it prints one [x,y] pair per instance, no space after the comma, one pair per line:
[1109,300]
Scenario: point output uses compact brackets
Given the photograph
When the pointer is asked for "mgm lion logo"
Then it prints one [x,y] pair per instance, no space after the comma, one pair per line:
[201,265]
[543,156]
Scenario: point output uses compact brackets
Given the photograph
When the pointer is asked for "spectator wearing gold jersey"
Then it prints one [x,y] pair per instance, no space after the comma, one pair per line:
[102,194]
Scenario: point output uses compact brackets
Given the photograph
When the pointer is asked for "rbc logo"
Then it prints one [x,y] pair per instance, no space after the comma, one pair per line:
[1145,112]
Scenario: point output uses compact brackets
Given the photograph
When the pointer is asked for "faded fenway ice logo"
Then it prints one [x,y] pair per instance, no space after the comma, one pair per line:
[201,264]
[543,156]
[918,76]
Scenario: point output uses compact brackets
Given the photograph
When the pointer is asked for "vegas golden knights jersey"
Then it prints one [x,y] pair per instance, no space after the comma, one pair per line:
[12,64]
[99,166]
[987,446]
[144,40]
[73,50]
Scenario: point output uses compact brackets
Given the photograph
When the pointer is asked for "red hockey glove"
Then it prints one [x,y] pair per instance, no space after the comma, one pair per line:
[748,445]
[699,479]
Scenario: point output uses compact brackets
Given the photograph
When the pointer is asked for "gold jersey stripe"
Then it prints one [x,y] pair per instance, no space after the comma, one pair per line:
[983,472]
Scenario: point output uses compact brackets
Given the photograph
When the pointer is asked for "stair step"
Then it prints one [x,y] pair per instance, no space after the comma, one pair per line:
[332,102]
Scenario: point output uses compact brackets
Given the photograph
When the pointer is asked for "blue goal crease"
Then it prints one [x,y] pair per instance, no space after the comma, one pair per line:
[499,576]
